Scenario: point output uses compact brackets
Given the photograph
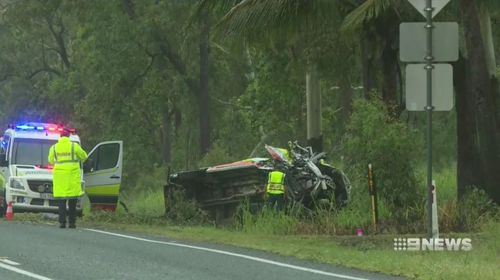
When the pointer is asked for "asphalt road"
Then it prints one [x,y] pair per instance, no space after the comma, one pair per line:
[29,251]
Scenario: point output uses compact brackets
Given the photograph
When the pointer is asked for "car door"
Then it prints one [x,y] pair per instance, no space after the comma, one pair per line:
[102,175]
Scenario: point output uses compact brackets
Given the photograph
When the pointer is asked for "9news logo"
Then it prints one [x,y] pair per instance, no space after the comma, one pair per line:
[432,244]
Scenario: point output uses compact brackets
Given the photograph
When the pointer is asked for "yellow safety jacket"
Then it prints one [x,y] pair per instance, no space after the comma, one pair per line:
[66,156]
[275,183]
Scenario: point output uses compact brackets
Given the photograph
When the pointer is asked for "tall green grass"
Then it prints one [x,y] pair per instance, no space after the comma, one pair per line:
[143,207]
[470,214]
[147,206]
[147,203]
[268,221]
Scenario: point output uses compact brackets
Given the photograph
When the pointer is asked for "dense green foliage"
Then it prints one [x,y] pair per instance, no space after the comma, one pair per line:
[392,148]
[131,70]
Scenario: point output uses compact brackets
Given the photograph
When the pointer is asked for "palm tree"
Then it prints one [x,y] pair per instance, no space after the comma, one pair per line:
[375,22]
[260,21]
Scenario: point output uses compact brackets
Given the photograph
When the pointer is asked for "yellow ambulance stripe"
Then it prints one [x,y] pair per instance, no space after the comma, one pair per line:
[108,190]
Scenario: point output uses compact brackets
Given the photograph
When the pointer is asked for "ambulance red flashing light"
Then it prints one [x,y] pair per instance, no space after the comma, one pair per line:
[47,127]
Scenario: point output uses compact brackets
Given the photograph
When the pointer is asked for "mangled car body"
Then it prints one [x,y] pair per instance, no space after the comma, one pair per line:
[220,189]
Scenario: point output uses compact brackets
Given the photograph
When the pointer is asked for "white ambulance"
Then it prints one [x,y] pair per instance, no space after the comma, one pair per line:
[26,176]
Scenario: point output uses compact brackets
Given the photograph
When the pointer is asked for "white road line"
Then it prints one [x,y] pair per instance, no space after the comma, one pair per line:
[23,272]
[7,261]
[301,268]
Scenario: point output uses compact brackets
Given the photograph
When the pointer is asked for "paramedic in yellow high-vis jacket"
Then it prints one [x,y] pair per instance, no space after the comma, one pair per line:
[66,157]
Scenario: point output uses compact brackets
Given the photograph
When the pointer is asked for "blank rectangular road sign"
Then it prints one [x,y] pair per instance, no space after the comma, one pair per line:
[413,41]
[416,87]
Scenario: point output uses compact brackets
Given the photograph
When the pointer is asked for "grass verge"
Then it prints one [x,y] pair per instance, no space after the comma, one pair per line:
[370,253]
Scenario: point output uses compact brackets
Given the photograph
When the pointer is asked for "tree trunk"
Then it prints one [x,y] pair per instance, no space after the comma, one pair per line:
[487,35]
[390,74]
[313,95]
[489,47]
[204,102]
[468,165]
[167,144]
[367,65]
[484,93]
[346,93]
[388,32]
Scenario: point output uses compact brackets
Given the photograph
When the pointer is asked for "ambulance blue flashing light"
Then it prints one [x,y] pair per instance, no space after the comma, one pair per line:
[25,127]
[42,127]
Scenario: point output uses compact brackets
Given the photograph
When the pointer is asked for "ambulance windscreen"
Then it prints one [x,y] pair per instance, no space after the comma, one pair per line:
[31,151]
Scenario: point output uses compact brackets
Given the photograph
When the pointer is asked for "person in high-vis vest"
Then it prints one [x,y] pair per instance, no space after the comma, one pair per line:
[66,157]
[275,189]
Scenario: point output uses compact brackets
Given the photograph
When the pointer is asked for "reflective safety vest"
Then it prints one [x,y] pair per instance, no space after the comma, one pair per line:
[66,157]
[275,183]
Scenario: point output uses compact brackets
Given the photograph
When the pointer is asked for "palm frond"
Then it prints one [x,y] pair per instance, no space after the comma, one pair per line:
[366,12]
[251,17]
[216,6]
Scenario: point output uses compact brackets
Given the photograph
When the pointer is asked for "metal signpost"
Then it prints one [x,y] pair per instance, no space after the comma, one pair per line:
[441,44]
[429,59]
